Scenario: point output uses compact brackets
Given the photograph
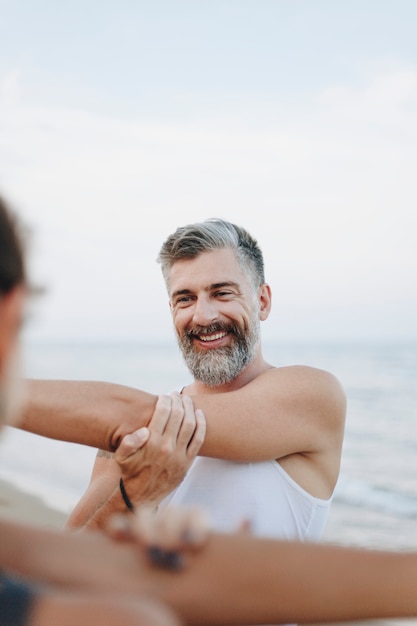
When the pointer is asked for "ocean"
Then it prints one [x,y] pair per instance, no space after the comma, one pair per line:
[375,502]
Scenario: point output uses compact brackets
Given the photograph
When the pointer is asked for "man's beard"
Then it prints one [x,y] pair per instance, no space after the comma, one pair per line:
[218,366]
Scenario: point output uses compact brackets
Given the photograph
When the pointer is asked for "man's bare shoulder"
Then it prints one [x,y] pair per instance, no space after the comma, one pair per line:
[305,374]
[303,385]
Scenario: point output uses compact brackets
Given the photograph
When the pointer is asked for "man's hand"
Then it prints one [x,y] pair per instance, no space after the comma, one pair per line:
[151,470]
[152,461]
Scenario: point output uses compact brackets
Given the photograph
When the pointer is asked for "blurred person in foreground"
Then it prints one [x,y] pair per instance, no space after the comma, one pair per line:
[39,555]
[70,578]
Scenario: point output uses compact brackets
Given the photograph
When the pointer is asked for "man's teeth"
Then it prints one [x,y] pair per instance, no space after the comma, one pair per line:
[212,337]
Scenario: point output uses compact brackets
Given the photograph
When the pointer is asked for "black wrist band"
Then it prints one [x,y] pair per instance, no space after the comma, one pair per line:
[126,497]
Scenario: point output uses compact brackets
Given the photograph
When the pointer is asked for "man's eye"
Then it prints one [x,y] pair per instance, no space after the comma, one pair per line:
[222,294]
[183,300]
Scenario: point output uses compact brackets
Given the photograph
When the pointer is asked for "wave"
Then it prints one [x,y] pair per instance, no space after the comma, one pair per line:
[361,494]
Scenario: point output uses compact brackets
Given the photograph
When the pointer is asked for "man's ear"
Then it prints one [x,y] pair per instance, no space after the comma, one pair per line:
[11,310]
[265,298]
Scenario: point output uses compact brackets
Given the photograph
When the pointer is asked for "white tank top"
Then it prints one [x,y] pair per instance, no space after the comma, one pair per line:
[261,493]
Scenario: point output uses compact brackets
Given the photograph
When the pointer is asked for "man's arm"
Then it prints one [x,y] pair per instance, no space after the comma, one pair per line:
[294,414]
[96,414]
[283,411]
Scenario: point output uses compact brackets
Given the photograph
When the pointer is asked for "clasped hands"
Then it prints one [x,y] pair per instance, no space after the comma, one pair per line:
[154,459]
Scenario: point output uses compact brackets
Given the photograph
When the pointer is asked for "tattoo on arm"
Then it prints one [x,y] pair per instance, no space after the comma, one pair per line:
[105,453]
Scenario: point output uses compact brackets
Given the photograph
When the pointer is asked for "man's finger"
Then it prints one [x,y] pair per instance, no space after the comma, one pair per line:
[132,443]
[176,417]
[161,414]
[199,434]
[189,423]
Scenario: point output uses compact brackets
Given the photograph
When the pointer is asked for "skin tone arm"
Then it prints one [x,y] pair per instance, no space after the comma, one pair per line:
[279,581]
[173,439]
[312,418]
[69,608]
[234,579]
[76,579]
[262,581]
[61,409]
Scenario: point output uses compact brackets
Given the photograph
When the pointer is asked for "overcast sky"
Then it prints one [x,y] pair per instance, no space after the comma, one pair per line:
[294,118]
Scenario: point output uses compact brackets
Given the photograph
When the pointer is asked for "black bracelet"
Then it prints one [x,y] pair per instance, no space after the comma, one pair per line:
[126,497]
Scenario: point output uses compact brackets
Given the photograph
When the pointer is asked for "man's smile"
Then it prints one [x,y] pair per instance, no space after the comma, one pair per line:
[213,337]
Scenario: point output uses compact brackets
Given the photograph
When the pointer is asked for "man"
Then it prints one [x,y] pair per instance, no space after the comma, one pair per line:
[272,450]
[79,578]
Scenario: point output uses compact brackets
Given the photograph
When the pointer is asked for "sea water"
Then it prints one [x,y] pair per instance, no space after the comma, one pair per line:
[375,502]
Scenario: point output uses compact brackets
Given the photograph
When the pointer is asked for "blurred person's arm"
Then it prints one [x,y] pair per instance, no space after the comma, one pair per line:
[53,607]
[233,579]
[58,578]
[245,580]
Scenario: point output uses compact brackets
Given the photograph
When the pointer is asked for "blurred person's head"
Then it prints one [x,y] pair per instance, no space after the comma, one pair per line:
[12,298]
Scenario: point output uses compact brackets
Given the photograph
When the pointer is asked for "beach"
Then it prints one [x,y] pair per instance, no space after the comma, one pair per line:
[23,507]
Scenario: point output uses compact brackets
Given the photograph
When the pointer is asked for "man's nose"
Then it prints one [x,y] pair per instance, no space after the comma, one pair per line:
[205,312]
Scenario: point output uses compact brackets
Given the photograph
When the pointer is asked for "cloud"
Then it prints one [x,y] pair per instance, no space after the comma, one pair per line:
[10,89]
[326,185]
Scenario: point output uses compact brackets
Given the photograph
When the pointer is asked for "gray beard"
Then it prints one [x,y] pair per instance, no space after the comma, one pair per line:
[219,366]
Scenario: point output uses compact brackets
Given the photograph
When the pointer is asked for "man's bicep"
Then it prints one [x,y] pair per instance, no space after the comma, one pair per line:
[282,412]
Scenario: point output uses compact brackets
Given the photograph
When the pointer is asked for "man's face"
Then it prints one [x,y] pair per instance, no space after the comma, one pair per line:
[215,310]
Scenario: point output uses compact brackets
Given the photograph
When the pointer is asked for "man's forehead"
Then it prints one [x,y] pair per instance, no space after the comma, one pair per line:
[215,267]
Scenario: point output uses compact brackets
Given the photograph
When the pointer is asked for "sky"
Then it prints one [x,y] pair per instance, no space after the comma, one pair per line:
[296,119]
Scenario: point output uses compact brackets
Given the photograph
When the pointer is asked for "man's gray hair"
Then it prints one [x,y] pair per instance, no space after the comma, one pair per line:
[188,242]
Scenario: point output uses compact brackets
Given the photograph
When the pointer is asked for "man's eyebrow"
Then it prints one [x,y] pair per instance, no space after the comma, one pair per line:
[186,292]
[181,292]
[228,283]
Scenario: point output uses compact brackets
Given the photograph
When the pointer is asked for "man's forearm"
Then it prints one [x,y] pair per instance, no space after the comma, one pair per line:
[84,518]
[96,414]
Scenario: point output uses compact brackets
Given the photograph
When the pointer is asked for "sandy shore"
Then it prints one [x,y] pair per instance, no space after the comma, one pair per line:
[20,506]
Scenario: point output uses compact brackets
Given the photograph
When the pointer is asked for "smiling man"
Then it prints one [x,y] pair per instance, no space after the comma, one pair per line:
[271,454]
[217,319]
